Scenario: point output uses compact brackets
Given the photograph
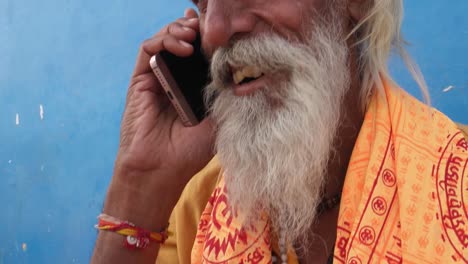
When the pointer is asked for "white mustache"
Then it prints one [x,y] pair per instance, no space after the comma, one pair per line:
[268,53]
[276,157]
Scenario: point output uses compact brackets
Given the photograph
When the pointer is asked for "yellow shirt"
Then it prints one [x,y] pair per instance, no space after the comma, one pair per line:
[403,198]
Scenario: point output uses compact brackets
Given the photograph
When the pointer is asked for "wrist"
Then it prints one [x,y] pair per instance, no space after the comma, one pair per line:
[145,199]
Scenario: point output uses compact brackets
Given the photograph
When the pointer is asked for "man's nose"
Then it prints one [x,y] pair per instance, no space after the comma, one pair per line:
[223,21]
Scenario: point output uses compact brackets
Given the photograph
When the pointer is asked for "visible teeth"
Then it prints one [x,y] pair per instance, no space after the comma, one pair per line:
[246,72]
[238,77]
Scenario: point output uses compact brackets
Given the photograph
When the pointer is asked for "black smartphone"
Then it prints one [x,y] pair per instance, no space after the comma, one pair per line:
[183,80]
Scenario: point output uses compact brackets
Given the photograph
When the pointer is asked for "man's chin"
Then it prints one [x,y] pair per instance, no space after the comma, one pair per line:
[272,160]
[275,143]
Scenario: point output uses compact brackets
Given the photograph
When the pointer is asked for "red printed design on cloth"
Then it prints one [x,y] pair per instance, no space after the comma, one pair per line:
[223,238]
[403,201]
[410,164]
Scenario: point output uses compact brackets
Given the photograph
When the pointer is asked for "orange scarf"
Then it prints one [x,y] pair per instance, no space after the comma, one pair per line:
[403,198]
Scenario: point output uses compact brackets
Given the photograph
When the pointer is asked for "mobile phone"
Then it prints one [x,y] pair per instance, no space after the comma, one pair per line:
[183,80]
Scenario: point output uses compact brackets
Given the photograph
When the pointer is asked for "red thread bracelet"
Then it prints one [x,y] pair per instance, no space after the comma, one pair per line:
[136,237]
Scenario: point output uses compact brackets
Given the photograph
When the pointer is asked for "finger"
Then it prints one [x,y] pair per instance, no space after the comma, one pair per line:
[142,83]
[184,29]
[190,13]
[181,32]
[152,46]
[193,22]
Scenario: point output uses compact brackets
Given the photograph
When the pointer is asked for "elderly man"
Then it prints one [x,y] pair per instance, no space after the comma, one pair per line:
[319,156]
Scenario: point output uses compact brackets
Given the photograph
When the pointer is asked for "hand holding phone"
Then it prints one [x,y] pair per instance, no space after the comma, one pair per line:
[183,79]
[153,138]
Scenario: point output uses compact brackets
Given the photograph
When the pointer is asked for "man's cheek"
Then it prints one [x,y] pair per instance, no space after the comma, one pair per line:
[289,18]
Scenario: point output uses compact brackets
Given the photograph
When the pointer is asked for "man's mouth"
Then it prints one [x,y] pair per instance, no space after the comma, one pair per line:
[247,79]
[246,74]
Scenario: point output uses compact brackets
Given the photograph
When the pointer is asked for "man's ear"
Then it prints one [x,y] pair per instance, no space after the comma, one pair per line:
[357,9]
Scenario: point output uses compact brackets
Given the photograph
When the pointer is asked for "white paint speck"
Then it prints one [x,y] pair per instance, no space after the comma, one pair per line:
[24,247]
[448,88]
[10,161]
[41,112]
[17,119]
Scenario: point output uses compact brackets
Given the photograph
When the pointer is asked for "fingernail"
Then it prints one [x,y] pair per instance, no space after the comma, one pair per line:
[186,28]
[185,44]
[186,12]
[193,19]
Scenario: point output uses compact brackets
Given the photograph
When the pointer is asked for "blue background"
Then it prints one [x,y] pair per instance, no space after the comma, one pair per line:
[74,58]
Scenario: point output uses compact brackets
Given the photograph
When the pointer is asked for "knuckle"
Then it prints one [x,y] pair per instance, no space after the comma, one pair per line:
[146,43]
[181,20]
[174,27]
[136,80]
[168,39]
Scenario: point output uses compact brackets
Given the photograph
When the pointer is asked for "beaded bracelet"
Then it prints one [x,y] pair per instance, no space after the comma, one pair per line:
[136,237]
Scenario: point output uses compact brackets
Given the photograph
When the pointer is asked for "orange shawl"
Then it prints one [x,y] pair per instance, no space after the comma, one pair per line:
[403,198]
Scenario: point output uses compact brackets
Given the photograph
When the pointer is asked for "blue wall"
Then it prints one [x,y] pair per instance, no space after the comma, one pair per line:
[73,59]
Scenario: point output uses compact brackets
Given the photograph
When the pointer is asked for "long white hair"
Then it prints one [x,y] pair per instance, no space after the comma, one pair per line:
[378,34]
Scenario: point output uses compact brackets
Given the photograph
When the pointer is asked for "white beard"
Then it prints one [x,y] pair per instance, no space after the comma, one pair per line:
[275,145]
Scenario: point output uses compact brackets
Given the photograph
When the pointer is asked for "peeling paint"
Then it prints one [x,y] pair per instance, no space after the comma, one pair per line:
[17,119]
[448,88]
[24,247]
[41,111]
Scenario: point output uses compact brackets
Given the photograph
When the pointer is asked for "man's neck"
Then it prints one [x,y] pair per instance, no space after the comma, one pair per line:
[323,233]
[352,118]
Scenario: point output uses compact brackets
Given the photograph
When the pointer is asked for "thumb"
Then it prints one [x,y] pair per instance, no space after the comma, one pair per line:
[190,13]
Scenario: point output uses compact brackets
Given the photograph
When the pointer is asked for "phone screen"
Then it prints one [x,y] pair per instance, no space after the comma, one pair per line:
[191,75]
